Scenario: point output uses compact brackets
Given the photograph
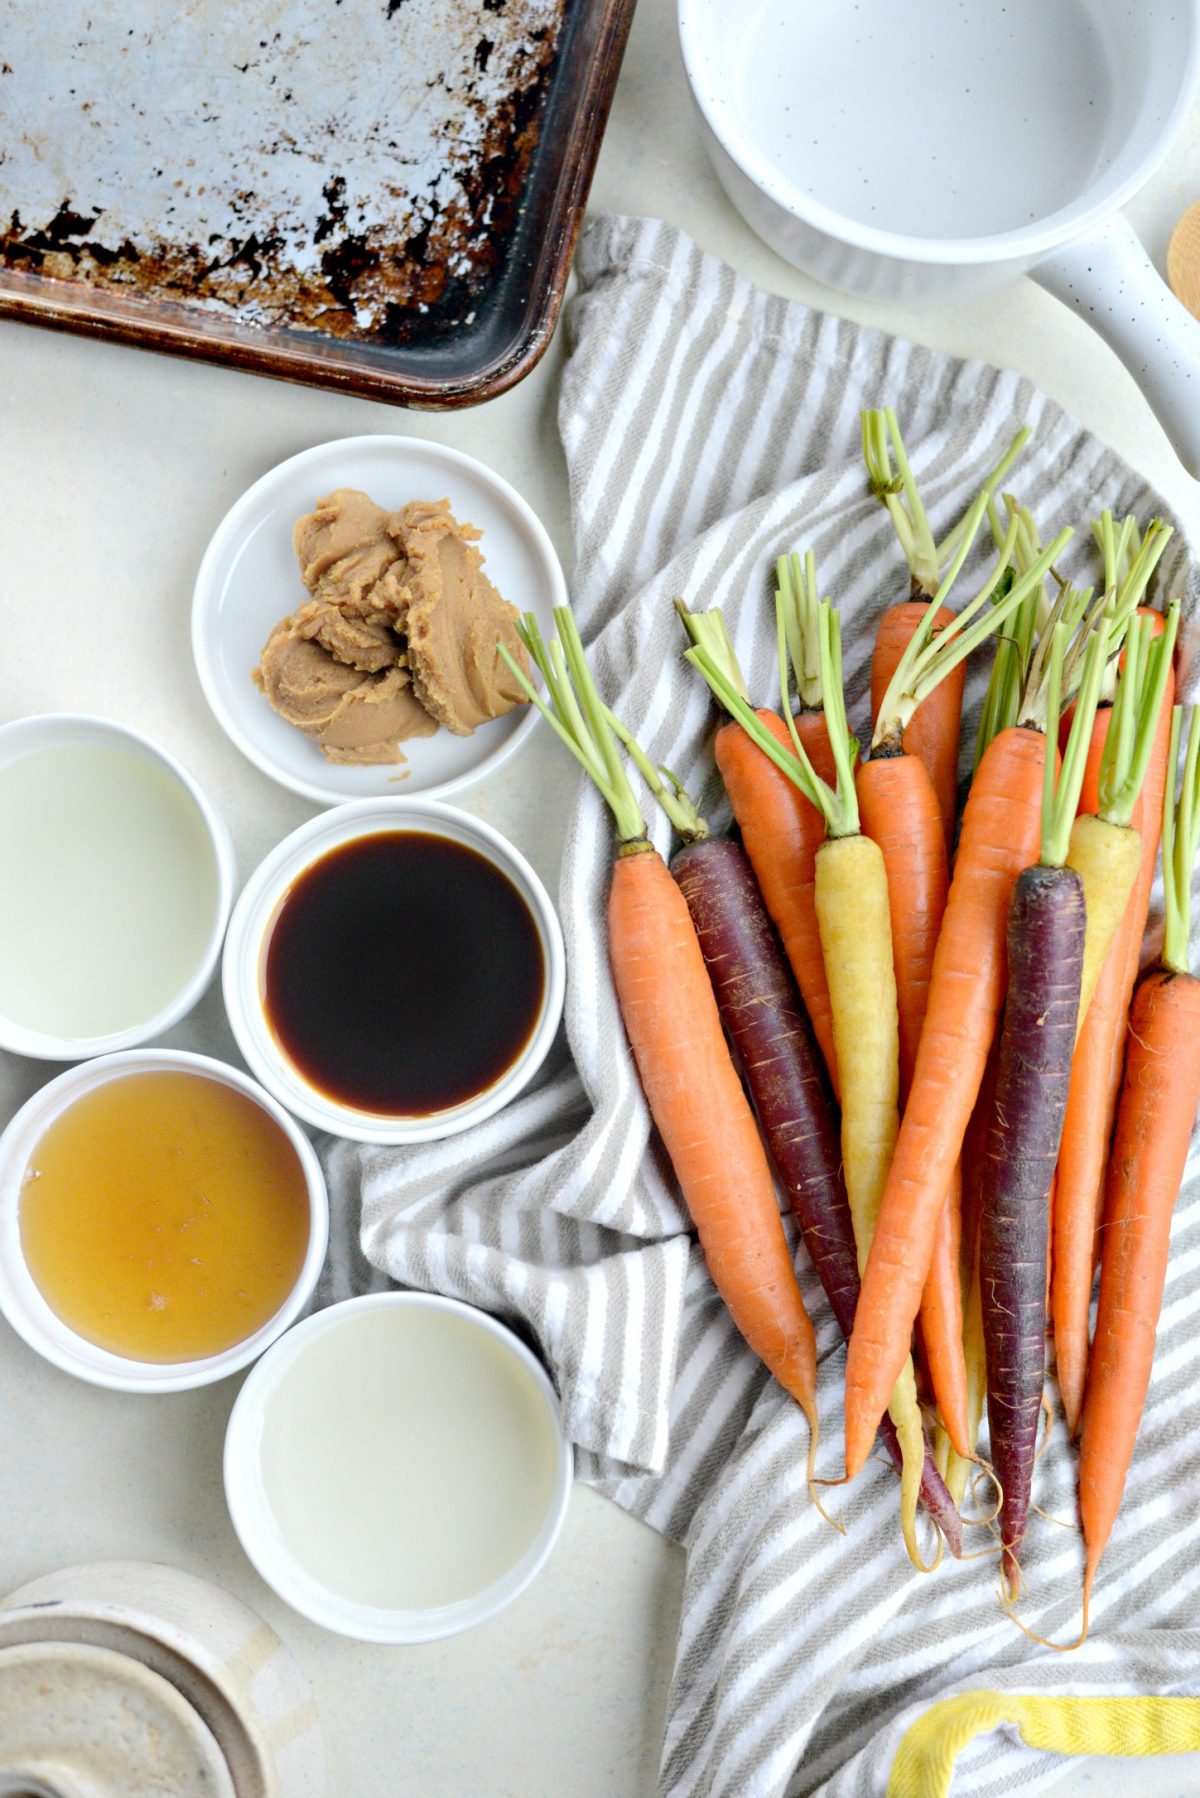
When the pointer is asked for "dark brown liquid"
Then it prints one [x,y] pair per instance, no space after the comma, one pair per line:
[404,974]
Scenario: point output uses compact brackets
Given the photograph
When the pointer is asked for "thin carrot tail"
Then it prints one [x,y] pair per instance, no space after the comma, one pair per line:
[814,1440]
[905,1414]
[958,1467]
[942,1324]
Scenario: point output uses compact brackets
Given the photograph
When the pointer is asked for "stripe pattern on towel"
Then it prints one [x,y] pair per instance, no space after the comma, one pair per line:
[708,428]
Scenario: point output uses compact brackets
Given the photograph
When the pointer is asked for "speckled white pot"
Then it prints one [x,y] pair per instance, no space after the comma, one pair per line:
[228,1664]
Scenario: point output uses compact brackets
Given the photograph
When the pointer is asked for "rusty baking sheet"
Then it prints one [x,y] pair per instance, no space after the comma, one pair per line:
[376,195]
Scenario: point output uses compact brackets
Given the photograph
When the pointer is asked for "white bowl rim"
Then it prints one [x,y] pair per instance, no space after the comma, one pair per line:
[230,527]
[281,867]
[40,1326]
[347,1617]
[57,727]
[1028,243]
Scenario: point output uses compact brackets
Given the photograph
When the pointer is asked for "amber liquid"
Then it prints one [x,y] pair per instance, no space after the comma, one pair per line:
[403,974]
[164,1216]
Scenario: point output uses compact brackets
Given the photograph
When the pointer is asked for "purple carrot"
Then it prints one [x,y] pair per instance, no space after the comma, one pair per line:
[1046,926]
[1047,922]
[765,1020]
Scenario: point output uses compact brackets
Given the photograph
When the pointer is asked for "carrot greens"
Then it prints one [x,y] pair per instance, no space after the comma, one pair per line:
[894,485]
[1180,842]
[929,658]
[577,716]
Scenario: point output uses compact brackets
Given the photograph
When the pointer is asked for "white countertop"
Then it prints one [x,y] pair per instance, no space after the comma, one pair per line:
[116,467]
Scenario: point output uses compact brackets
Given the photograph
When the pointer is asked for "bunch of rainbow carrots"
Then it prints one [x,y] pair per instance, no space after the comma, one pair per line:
[930,1034]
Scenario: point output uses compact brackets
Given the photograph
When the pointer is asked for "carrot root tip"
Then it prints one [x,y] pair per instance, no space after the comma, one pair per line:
[814,1438]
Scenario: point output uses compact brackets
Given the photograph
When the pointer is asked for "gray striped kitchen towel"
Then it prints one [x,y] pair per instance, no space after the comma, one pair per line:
[708,427]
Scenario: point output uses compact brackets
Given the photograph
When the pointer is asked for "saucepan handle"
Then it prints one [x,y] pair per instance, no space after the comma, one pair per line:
[1112,283]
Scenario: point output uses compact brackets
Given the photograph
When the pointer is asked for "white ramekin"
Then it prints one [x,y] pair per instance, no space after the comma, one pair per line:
[55,730]
[245,946]
[259,1536]
[22,1302]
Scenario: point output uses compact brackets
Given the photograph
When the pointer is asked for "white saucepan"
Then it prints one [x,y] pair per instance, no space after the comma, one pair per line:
[930,150]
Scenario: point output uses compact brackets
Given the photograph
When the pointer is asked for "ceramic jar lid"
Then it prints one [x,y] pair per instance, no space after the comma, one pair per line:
[79,1721]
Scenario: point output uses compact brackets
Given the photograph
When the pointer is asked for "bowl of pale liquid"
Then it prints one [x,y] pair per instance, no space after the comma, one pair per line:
[396,1467]
[118,883]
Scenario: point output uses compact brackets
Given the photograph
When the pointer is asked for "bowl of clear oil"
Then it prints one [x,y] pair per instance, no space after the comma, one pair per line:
[119,882]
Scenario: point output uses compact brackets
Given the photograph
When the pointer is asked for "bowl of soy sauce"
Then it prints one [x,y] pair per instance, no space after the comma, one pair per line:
[394,971]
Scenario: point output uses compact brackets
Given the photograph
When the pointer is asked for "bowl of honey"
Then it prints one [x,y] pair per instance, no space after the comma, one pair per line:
[394,971]
[162,1221]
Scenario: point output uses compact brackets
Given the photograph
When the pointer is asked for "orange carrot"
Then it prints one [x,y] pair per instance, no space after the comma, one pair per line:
[899,810]
[941,1319]
[1000,836]
[1157,1112]
[933,734]
[934,730]
[782,831]
[1096,1078]
[706,1124]
[951,1465]
[670,1012]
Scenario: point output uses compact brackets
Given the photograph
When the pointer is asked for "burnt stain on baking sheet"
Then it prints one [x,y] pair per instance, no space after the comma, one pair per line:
[410,268]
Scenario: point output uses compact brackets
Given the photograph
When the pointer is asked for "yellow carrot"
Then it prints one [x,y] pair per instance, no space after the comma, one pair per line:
[854,919]
[854,924]
[1105,850]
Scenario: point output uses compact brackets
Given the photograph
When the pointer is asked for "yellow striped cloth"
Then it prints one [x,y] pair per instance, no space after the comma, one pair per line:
[924,1763]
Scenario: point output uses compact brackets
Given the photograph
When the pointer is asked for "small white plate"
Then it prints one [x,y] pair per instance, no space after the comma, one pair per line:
[249,580]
